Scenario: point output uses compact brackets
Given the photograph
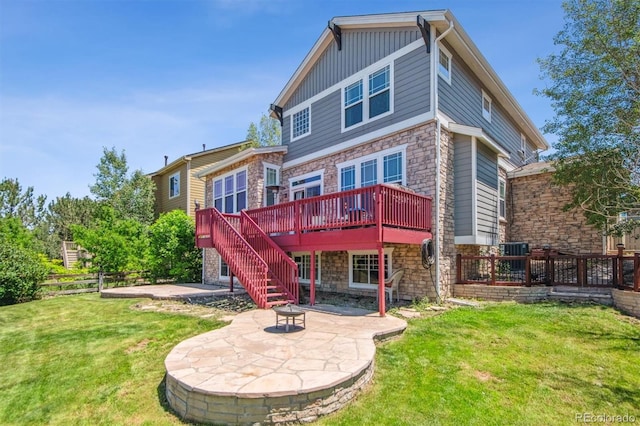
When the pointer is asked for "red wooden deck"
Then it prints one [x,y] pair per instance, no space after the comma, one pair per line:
[358,219]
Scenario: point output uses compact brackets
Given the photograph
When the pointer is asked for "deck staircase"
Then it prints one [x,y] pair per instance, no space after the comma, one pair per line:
[268,275]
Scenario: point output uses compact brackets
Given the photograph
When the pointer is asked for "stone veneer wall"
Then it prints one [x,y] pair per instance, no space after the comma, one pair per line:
[416,282]
[627,301]
[502,293]
[287,409]
[421,170]
[255,199]
[537,216]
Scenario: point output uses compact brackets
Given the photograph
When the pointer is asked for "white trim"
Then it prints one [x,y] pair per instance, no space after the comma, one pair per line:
[363,77]
[486,114]
[477,132]
[171,176]
[388,251]
[351,143]
[242,155]
[371,68]
[266,166]
[291,124]
[305,185]
[505,164]
[474,186]
[318,265]
[476,240]
[379,156]
[446,78]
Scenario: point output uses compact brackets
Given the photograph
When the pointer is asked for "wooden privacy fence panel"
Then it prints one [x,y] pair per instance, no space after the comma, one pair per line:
[590,270]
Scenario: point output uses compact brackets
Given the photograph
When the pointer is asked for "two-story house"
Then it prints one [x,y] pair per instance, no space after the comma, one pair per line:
[395,131]
[176,184]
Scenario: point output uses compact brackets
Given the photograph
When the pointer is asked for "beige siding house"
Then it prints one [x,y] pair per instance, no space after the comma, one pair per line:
[177,186]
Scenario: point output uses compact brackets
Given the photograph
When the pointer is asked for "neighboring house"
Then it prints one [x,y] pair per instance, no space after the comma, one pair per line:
[176,184]
[404,99]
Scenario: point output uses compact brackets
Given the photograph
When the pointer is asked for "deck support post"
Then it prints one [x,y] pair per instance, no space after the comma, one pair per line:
[382,296]
[230,281]
[312,285]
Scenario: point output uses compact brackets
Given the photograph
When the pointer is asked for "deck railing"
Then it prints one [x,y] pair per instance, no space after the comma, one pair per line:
[249,267]
[587,270]
[283,270]
[373,205]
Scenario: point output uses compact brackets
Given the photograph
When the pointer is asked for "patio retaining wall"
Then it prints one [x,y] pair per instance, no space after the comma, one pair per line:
[502,293]
[190,404]
[626,301]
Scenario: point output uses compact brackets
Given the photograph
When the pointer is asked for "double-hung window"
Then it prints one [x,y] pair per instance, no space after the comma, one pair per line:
[367,98]
[353,104]
[174,185]
[300,124]
[379,91]
[230,192]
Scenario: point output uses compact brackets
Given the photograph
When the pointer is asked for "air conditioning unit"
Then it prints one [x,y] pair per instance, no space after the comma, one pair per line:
[515,249]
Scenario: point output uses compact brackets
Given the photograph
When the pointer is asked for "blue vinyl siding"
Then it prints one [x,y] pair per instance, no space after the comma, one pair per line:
[462,101]
[463,188]
[360,48]
[411,97]
[487,192]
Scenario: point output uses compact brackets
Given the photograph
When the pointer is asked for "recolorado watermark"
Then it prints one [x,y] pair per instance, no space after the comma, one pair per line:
[604,418]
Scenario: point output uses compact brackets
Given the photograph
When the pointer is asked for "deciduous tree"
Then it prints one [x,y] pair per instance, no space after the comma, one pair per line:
[594,86]
[266,133]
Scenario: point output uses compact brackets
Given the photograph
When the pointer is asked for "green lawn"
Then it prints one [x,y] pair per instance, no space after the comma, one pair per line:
[505,364]
[85,360]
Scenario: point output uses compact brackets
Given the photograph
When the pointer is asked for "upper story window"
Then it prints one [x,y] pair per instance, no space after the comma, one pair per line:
[379,83]
[174,185]
[523,146]
[486,106]
[444,64]
[358,108]
[230,192]
[353,104]
[300,123]
[383,167]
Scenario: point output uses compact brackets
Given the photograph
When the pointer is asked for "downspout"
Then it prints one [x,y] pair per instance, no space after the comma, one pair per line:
[438,158]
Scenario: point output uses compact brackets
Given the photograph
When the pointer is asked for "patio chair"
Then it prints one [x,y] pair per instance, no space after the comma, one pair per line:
[391,285]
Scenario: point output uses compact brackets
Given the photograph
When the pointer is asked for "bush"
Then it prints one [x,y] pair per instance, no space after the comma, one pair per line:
[20,273]
[172,251]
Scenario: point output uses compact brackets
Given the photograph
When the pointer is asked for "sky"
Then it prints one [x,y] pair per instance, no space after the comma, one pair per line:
[164,77]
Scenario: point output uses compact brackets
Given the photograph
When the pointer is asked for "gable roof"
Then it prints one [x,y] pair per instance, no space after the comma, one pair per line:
[188,157]
[240,156]
[457,38]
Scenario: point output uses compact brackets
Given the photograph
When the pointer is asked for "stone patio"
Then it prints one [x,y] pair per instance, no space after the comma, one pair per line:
[250,372]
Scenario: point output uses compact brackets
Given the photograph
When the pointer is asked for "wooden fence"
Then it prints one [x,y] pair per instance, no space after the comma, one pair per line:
[547,268]
[91,283]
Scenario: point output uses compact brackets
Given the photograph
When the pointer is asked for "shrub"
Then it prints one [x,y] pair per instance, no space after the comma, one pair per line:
[172,251]
[20,273]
